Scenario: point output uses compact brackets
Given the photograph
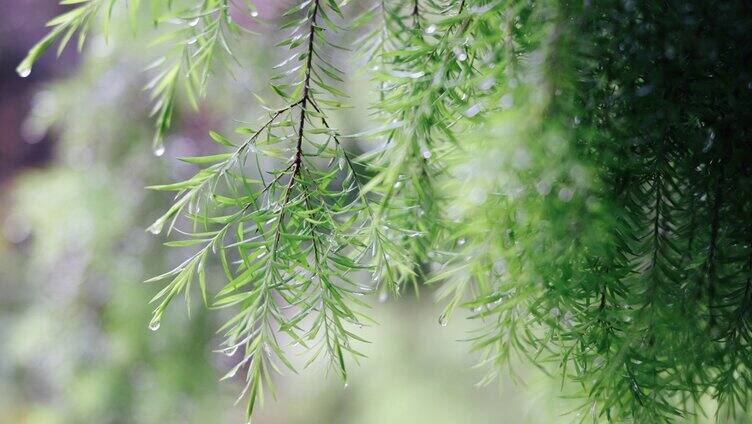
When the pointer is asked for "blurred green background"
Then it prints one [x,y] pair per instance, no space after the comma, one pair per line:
[74,340]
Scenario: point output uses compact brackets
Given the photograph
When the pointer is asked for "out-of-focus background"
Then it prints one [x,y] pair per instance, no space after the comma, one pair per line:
[74,340]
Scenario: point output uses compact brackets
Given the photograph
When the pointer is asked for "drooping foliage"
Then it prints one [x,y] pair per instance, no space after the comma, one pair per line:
[576,174]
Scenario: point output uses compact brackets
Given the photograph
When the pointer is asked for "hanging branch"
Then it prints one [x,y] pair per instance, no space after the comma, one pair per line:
[290,256]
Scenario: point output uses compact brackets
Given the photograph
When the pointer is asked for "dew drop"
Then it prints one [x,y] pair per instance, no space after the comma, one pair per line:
[426,154]
[555,312]
[566,194]
[346,385]
[342,163]
[567,321]
[461,241]
[191,41]
[232,351]
[193,22]
[383,296]
[473,110]
[254,14]
[154,325]
[543,187]
[159,150]
[506,101]
[477,195]
[431,29]
[487,84]
[155,228]
[644,90]
[460,54]
[710,140]
[24,71]
[443,320]
[398,184]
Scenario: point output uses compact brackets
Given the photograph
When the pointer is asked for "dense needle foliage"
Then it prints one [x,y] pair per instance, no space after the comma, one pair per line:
[576,174]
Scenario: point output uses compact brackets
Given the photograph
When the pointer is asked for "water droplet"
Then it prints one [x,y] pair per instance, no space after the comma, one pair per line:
[159,150]
[443,320]
[154,324]
[342,163]
[506,101]
[426,154]
[346,385]
[566,194]
[193,22]
[566,322]
[398,184]
[254,14]
[487,84]
[473,110]
[644,90]
[155,228]
[383,296]
[461,241]
[477,195]
[555,312]
[231,352]
[191,40]
[709,143]
[431,29]
[461,55]
[543,187]
[24,71]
